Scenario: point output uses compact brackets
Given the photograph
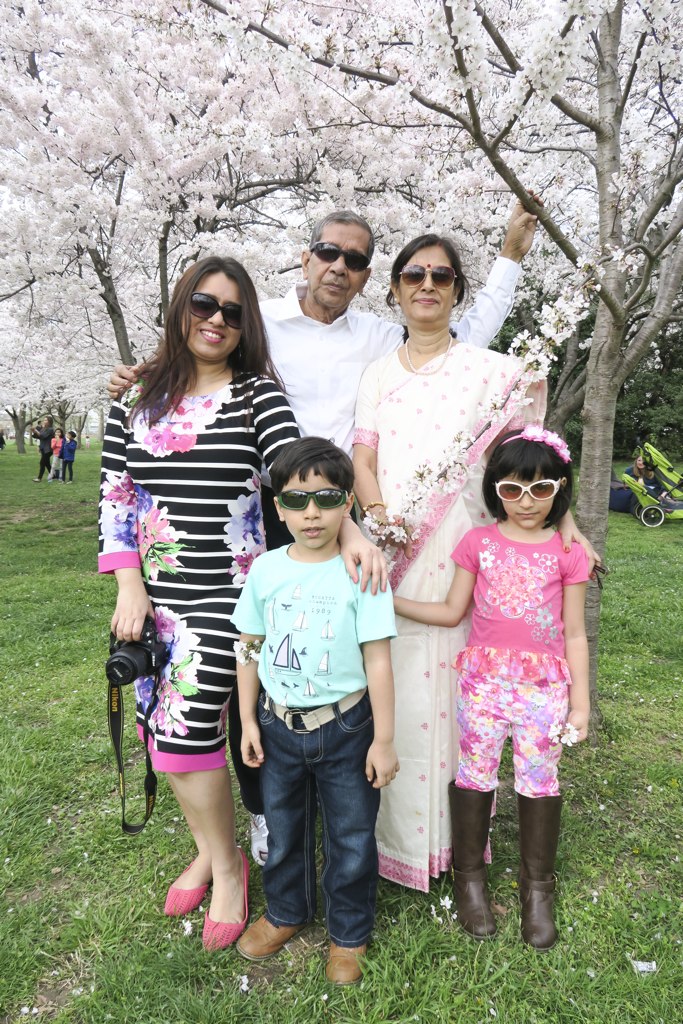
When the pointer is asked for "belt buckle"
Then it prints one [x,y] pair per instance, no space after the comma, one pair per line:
[289,721]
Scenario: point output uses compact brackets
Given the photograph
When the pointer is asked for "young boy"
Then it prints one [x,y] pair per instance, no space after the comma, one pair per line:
[69,455]
[316,696]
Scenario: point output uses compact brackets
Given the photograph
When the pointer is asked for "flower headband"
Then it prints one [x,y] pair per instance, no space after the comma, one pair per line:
[541,436]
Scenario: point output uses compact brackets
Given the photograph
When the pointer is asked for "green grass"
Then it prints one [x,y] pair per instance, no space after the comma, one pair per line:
[82,936]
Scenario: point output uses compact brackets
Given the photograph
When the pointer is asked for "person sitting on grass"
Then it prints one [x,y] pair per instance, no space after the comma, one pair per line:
[525,669]
[316,696]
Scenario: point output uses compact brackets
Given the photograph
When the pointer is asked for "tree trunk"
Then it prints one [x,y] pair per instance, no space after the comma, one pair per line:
[18,418]
[598,416]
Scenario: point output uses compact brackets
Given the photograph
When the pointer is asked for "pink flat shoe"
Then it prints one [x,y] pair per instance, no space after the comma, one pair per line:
[218,934]
[183,901]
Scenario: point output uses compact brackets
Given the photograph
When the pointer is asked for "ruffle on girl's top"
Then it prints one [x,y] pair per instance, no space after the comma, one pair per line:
[526,666]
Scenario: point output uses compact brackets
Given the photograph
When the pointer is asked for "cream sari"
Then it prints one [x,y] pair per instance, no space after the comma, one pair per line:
[409,418]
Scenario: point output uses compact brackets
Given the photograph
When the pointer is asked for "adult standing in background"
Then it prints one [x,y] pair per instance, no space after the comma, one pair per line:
[44,434]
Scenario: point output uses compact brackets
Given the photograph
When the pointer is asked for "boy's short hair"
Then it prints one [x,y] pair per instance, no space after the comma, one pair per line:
[71,433]
[312,455]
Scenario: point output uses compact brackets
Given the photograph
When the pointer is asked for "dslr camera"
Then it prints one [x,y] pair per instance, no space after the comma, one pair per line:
[129,659]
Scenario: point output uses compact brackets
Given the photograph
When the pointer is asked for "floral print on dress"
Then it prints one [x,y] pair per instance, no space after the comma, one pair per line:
[179,675]
[245,534]
[178,429]
[137,523]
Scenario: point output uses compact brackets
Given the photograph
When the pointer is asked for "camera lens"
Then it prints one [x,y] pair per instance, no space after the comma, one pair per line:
[127,664]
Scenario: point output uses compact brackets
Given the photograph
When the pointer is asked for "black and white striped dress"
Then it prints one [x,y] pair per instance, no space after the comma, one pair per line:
[182,502]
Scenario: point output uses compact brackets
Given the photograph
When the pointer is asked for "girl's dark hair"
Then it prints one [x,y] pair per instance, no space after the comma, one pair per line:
[523,460]
[312,455]
[425,242]
[170,373]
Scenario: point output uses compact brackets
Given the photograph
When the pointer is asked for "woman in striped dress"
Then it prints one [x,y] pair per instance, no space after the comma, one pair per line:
[180,524]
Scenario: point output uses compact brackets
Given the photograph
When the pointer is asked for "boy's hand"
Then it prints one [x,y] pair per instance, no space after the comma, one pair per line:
[381,764]
[579,719]
[252,751]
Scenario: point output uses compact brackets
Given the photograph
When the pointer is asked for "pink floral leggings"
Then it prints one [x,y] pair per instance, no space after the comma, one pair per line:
[489,708]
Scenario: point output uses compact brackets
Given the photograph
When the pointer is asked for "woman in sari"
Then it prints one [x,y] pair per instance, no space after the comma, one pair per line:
[412,405]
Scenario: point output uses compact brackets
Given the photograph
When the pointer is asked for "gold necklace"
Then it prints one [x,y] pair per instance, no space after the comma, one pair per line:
[428,373]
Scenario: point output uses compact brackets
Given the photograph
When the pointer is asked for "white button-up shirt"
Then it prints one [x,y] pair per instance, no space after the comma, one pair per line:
[321,364]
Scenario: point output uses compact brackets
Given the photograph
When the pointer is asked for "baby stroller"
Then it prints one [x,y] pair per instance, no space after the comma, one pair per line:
[647,508]
[670,479]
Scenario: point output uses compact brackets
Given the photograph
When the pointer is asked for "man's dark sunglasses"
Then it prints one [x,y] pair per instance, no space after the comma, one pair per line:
[329,253]
[205,306]
[297,501]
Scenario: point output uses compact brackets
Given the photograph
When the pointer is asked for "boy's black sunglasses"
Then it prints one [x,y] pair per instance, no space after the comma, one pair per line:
[330,253]
[205,306]
[297,501]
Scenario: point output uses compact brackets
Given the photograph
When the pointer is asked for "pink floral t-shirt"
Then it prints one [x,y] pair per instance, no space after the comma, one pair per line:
[518,599]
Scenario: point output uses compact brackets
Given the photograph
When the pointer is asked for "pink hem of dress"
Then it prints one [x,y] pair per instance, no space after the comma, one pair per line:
[412,877]
[165,762]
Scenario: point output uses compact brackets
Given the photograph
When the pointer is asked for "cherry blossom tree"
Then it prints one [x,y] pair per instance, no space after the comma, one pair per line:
[579,100]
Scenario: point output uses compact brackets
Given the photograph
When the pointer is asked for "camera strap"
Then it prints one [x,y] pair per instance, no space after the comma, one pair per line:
[115,715]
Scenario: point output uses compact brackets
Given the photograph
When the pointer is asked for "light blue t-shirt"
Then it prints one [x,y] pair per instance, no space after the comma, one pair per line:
[314,618]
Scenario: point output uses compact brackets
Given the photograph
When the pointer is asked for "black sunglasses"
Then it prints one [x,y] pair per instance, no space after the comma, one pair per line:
[330,253]
[297,501]
[205,306]
[442,277]
[599,573]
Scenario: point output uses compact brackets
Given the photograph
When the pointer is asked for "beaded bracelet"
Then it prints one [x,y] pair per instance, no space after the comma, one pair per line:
[371,504]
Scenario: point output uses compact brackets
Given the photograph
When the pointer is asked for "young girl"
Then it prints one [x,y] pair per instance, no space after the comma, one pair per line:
[525,670]
[57,444]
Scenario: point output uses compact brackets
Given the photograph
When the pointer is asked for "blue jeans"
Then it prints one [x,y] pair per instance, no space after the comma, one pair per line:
[329,763]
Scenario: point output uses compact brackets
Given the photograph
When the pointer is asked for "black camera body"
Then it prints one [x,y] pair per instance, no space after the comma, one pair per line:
[129,659]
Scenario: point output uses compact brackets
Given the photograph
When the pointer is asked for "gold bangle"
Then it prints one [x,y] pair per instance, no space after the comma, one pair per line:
[371,504]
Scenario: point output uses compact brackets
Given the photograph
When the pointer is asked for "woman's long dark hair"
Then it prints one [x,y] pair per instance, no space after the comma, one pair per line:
[170,373]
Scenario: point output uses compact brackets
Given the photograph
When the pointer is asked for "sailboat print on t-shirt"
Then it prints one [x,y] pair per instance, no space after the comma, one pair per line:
[324,666]
[286,658]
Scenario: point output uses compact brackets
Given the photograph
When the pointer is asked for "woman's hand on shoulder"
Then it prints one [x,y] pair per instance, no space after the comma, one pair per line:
[570,532]
[357,550]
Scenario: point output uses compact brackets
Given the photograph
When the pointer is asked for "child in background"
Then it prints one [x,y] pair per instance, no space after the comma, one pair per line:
[57,445]
[316,697]
[525,669]
[69,455]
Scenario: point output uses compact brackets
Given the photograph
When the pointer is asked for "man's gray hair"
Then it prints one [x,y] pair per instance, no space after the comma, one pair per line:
[343,217]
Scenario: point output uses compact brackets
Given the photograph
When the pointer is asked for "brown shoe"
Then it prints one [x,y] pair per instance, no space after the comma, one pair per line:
[263,939]
[343,967]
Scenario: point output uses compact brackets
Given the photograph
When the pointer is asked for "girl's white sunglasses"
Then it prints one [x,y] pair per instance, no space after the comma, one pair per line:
[510,490]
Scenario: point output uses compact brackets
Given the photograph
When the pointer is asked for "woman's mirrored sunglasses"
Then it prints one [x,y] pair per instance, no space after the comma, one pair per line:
[442,277]
[297,501]
[329,253]
[205,306]
[510,490]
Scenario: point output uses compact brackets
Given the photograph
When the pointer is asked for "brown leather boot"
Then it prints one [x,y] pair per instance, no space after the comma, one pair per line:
[539,831]
[343,967]
[470,816]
